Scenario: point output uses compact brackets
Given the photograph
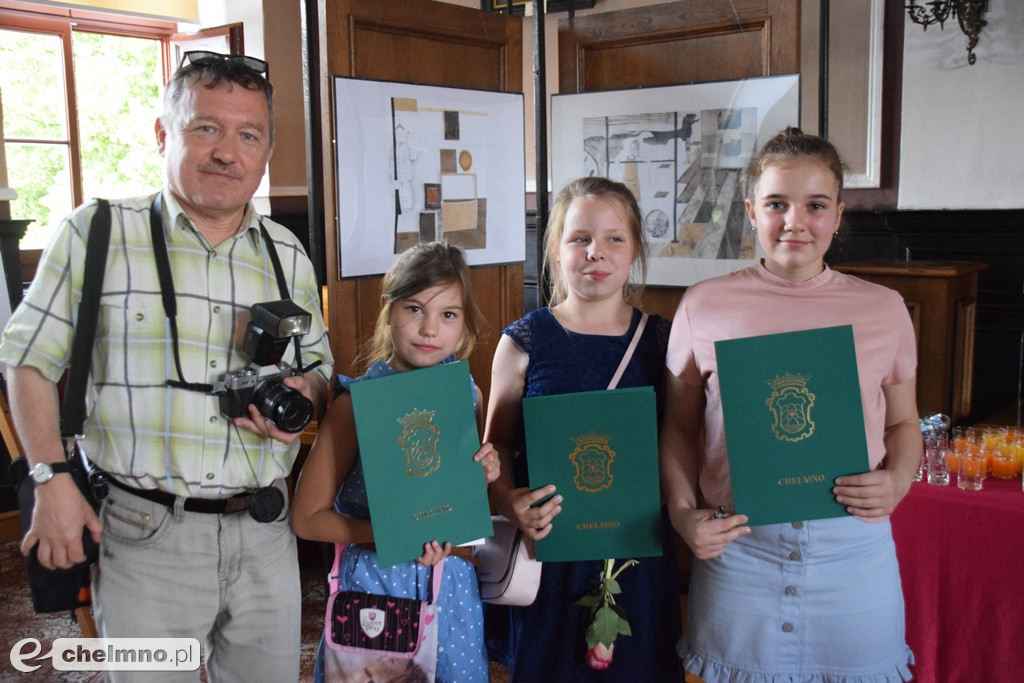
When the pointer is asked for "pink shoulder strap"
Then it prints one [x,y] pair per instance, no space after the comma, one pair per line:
[628,355]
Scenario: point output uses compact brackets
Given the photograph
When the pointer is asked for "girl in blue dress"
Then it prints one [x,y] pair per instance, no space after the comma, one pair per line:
[428,316]
[594,240]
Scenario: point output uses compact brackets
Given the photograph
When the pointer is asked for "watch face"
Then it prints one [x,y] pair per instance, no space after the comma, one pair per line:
[41,473]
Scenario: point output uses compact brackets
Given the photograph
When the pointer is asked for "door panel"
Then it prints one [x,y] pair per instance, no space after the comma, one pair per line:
[691,41]
[424,42]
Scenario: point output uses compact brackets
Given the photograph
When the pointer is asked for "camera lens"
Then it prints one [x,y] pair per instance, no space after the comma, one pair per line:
[284,406]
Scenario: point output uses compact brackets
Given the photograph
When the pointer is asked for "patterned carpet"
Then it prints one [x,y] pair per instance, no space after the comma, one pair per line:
[18,620]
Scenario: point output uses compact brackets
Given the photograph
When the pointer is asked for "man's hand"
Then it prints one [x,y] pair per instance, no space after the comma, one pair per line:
[257,424]
[60,514]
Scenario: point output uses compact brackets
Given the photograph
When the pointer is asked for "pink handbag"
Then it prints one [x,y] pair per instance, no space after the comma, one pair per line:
[379,637]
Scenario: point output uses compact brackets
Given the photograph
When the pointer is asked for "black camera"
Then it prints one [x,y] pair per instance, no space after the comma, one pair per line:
[273,325]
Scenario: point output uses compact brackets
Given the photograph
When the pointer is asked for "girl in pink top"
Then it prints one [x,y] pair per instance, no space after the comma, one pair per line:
[811,600]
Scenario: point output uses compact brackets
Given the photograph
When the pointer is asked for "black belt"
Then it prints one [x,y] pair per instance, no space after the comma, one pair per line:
[263,505]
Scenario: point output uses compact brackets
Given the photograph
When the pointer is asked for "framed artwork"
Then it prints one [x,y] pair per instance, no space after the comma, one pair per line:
[421,163]
[682,150]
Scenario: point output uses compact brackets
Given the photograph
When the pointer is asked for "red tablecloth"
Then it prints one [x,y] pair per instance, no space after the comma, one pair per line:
[961,557]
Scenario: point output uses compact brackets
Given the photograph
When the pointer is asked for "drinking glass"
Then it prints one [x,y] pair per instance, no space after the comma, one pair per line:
[938,467]
[934,428]
[972,470]
[1004,465]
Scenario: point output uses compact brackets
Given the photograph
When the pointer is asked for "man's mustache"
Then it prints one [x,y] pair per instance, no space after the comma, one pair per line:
[219,168]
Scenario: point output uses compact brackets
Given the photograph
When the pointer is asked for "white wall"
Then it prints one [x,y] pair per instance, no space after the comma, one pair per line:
[962,143]
[249,12]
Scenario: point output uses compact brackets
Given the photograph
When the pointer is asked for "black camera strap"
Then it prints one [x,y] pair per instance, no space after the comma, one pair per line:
[163,269]
[72,415]
[72,411]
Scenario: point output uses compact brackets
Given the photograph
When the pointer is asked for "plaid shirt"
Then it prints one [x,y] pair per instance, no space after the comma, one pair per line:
[145,433]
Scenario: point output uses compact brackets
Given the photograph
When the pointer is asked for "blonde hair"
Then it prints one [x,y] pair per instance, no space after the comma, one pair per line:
[600,188]
[792,144]
[425,265]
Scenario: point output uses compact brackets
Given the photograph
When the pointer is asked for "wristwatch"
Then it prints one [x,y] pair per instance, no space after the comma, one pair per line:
[44,471]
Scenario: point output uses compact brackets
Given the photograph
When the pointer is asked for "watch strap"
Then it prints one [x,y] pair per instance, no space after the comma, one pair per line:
[59,467]
[52,467]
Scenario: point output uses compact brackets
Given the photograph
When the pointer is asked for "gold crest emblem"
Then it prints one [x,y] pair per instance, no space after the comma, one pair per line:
[791,404]
[593,460]
[419,442]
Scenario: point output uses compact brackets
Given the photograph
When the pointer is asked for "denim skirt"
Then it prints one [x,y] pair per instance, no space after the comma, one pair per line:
[815,601]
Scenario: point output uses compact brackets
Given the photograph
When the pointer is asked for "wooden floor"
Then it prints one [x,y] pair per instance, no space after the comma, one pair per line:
[10,526]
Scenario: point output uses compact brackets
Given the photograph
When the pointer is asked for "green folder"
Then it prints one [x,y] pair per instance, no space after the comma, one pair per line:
[793,422]
[417,435]
[600,450]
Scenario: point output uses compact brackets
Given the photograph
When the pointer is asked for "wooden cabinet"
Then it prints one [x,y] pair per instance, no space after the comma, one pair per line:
[941,297]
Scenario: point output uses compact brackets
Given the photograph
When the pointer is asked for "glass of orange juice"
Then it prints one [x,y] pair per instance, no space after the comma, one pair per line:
[951,460]
[992,436]
[964,438]
[1014,447]
[1003,466]
[992,439]
[972,470]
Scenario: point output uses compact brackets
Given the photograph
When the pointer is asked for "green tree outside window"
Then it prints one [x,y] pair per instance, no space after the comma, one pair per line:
[117,89]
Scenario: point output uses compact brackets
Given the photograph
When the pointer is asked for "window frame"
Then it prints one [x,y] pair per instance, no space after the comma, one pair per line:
[61,22]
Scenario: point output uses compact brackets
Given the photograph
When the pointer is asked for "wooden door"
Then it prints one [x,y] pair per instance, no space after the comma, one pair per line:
[422,42]
[691,41]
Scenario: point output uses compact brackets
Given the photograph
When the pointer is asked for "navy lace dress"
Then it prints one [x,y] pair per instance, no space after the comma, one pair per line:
[544,641]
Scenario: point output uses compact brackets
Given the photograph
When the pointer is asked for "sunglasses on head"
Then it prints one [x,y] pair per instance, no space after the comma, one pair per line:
[201,57]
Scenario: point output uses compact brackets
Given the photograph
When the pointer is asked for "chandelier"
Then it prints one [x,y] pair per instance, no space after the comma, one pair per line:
[970,14]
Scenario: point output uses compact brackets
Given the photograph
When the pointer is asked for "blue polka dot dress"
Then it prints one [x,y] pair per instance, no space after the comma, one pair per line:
[461,656]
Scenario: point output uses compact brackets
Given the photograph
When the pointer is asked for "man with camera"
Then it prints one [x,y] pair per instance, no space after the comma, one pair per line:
[210,359]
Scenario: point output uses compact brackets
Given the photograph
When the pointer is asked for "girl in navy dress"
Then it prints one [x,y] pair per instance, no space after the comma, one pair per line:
[594,241]
[428,316]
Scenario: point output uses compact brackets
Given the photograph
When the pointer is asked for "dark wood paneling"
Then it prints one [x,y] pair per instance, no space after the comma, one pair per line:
[941,297]
[423,42]
[440,57]
[678,42]
[993,237]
